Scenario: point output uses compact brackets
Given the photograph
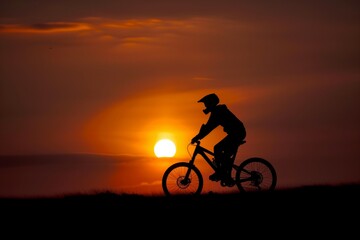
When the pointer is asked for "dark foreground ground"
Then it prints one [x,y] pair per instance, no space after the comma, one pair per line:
[323,209]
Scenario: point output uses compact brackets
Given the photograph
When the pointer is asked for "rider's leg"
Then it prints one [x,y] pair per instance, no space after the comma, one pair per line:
[220,153]
[231,144]
[218,158]
[219,150]
[227,165]
[223,151]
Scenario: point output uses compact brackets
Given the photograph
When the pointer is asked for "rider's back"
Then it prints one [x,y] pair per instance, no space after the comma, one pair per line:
[222,116]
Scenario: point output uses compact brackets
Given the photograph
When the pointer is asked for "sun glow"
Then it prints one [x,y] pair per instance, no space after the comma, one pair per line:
[164,148]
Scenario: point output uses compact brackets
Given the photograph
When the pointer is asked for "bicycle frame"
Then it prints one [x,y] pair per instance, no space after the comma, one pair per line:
[204,153]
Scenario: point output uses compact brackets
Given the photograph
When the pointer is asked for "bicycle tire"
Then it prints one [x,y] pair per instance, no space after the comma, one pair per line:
[256,174]
[172,180]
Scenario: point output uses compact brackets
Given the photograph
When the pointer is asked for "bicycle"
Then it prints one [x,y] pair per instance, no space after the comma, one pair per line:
[252,174]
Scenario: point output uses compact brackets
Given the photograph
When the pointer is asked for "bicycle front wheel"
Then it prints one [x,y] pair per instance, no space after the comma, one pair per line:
[175,182]
[256,174]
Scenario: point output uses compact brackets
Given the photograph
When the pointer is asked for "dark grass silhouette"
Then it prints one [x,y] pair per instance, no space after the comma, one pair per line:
[302,212]
[327,198]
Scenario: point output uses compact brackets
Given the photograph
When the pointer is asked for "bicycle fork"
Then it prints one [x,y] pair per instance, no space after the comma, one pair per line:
[186,180]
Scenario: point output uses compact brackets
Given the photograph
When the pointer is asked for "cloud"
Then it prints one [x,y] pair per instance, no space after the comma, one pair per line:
[47,27]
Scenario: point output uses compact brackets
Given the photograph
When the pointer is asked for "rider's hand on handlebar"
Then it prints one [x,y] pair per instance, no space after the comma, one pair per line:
[194,140]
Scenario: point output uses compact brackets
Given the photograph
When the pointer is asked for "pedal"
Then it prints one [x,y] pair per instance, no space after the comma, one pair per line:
[214,179]
[227,183]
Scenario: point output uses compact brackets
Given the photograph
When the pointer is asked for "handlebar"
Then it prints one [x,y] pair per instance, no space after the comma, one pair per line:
[195,143]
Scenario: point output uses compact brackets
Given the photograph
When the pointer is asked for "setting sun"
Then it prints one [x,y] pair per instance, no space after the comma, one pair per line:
[164,148]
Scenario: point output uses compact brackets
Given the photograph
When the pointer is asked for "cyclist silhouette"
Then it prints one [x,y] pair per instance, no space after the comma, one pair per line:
[220,115]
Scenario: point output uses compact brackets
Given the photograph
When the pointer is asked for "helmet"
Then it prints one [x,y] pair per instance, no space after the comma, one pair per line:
[210,101]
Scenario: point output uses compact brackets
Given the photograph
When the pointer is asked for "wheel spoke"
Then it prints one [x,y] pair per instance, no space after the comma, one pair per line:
[175,182]
[256,174]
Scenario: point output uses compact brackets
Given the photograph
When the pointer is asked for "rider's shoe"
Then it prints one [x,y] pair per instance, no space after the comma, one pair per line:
[228,181]
[214,177]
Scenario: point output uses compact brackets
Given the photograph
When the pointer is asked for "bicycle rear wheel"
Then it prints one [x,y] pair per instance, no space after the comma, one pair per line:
[174,180]
[256,174]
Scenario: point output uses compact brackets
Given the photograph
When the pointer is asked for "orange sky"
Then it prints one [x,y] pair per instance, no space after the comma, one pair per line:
[112,77]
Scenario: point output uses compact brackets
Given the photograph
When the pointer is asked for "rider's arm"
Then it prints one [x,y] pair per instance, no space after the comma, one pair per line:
[206,129]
